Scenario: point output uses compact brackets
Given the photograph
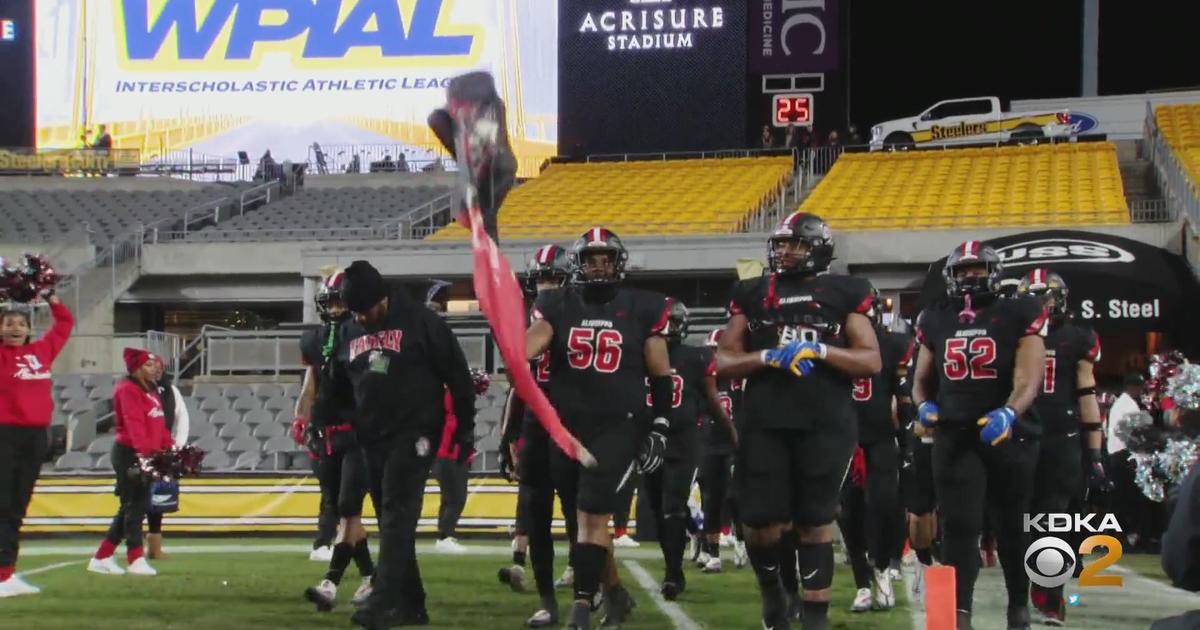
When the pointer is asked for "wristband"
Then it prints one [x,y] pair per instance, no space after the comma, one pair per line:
[1085,391]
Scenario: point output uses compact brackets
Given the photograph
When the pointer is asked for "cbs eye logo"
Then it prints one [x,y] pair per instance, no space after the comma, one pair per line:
[1050,562]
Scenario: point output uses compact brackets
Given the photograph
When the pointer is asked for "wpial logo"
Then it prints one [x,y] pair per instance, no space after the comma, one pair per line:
[216,35]
[1050,561]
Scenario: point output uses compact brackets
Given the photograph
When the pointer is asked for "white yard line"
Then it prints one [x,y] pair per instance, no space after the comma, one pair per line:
[916,606]
[50,567]
[670,609]
[30,551]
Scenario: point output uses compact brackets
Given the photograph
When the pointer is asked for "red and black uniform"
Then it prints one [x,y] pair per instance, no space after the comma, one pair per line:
[598,384]
[141,431]
[716,463]
[973,362]
[340,464]
[669,486]
[873,398]
[799,433]
[26,408]
[916,473]
[451,471]
[1059,480]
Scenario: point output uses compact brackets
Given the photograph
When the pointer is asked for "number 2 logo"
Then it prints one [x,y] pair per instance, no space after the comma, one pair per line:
[588,348]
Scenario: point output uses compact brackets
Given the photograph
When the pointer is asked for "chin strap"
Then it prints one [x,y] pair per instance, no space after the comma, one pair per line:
[968,314]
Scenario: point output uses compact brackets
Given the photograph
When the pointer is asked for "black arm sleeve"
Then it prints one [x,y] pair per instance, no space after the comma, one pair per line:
[450,364]
[514,415]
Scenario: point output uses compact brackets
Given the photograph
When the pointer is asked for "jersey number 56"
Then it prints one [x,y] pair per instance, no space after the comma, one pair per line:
[588,348]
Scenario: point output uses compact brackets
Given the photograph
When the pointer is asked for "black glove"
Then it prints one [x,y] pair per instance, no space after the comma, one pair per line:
[1098,483]
[650,458]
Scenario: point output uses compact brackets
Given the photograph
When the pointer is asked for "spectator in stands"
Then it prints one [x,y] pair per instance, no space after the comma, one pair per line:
[141,432]
[175,415]
[792,139]
[402,163]
[355,165]
[768,138]
[266,167]
[103,141]
[853,138]
[319,155]
[84,143]
[829,154]
[26,408]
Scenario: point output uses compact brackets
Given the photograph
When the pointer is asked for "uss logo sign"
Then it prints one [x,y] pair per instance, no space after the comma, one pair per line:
[166,35]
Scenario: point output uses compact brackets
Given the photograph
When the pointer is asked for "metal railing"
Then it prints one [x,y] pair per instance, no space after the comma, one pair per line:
[1151,211]
[1181,192]
[360,158]
[687,155]
[261,192]
[196,166]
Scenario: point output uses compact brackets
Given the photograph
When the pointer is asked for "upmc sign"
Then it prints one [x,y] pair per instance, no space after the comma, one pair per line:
[791,36]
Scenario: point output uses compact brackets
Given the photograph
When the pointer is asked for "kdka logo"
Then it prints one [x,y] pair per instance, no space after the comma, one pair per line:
[1050,561]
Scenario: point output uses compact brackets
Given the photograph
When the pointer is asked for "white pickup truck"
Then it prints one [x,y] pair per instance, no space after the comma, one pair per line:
[967,120]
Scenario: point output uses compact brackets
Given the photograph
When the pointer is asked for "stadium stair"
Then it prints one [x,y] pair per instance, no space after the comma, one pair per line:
[995,187]
[1180,127]
[711,196]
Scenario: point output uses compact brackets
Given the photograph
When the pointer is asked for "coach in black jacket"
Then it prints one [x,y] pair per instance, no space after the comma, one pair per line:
[399,370]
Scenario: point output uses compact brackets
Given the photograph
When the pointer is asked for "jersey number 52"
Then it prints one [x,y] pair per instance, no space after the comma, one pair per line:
[969,358]
[588,348]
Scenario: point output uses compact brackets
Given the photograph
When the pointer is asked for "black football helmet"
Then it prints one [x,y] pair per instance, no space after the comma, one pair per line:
[970,254]
[1044,284]
[677,322]
[328,294]
[598,240]
[812,230]
[549,263]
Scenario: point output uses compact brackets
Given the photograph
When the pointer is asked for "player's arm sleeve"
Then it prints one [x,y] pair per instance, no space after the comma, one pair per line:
[183,419]
[541,328]
[655,313]
[451,365]
[514,413]
[1034,318]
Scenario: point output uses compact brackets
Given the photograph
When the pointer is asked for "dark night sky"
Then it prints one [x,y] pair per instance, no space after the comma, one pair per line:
[904,56]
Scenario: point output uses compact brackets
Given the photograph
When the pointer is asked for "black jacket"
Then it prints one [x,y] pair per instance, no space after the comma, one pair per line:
[1181,542]
[399,374]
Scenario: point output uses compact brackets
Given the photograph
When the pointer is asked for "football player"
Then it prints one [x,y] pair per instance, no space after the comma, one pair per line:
[977,373]
[605,340]
[715,467]
[879,435]
[798,335]
[916,488]
[341,469]
[525,453]
[693,379]
[1066,406]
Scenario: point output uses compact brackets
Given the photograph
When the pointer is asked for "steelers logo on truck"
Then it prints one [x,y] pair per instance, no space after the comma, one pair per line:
[969,120]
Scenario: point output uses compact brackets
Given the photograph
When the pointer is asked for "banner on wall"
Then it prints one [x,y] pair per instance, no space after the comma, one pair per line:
[793,36]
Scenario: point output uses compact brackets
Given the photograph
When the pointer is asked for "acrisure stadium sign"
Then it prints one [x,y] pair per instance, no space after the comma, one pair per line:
[662,28]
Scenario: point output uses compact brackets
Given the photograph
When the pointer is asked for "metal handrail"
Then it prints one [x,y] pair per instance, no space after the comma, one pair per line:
[686,155]
[261,192]
[1181,191]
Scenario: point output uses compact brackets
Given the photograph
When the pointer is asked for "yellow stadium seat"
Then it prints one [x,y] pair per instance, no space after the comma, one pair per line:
[1180,127]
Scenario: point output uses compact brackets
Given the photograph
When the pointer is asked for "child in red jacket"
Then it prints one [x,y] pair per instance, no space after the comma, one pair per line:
[141,431]
[26,408]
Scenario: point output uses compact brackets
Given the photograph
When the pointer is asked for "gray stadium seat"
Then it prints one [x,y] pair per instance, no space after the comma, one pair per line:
[210,445]
[235,430]
[216,460]
[269,430]
[291,390]
[285,416]
[76,391]
[100,393]
[242,445]
[73,461]
[237,391]
[197,430]
[488,444]
[280,444]
[490,415]
[224,417]
[104,462]
[267,390]
[68,380]
[246,403]
[81,430]
[205,390]
[247,461]
[101,445]
[99,381]
[259,416]
[280,404]
[216,403]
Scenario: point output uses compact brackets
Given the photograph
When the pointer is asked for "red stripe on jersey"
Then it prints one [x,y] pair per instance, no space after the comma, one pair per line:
[665,319]
[864,307]
[1093,354]
[1038,326]
[734,309]
[910,347]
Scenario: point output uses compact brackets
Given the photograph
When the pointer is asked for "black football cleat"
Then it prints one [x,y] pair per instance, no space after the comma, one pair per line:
[580,617]
[544,617]
[618,606]
[392,618]
[1018,618]
[962,620]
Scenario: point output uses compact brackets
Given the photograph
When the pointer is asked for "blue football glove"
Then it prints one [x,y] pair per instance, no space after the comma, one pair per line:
[797,357]
[997,425]
[927,414]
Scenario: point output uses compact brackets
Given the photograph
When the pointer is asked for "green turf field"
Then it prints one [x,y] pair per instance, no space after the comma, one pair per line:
[206,585]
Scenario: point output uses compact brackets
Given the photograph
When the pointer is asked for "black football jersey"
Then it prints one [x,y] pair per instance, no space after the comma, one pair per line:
[1067,344]
[729,395]
[974,361]
[873,395]
[597,355]
[690,365]
[312,347]
[783,309]
[334,404]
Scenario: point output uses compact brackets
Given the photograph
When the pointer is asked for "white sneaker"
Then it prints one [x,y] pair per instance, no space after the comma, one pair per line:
[107,566]
[885,595]
[862,601]
[567,580]
[141,567]
[894,573]
[321,554]
[15,586]
[740,557]
[713,566]
[727,540]
[625,541]
[324,595]
[449,545]
[363,592]
[702,559]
